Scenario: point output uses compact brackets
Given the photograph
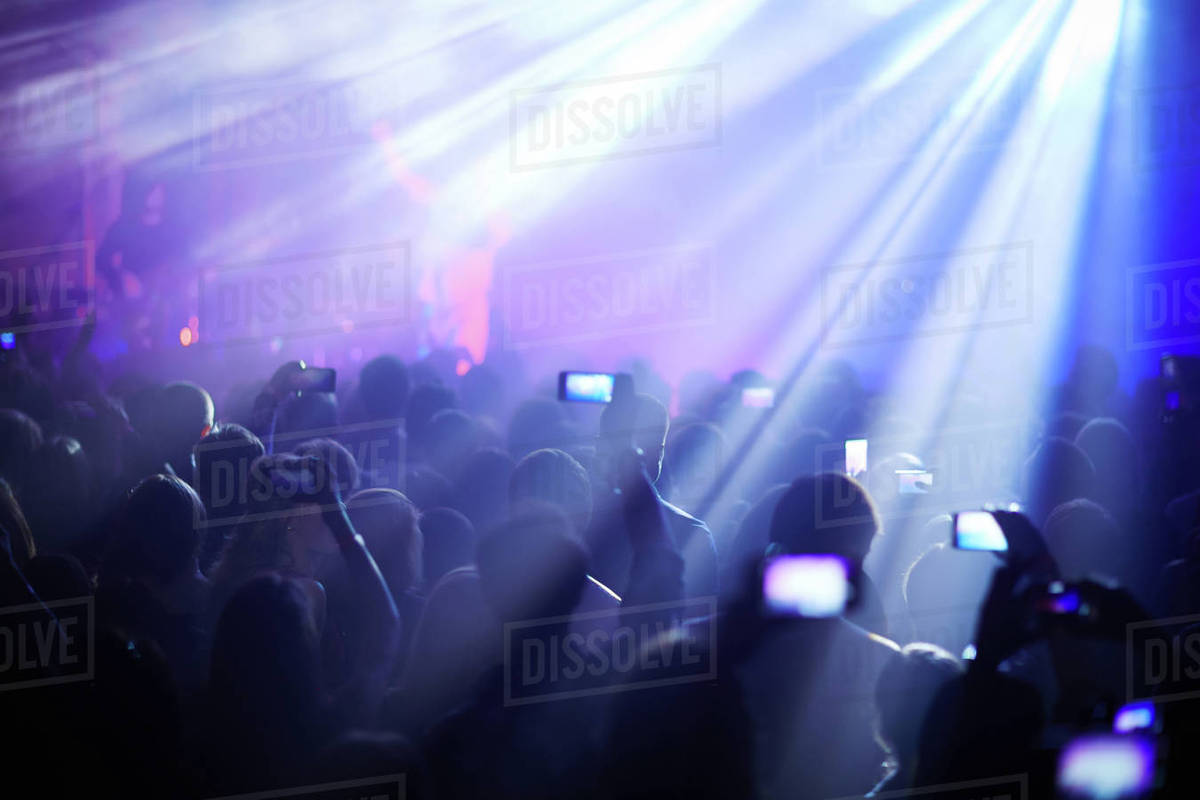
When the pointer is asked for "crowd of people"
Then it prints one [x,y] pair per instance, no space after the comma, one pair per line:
[294,587]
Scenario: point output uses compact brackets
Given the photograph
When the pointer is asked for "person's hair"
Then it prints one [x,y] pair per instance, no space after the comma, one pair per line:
[554,477]
[425,401]
[483,391]
[825,513]
[1110,447]
[752,537]
[265,686]
[1084,538]
[383,387]
[221,469]
[651,421]
[532,566]
[693,459]
[450,438]
[1056,472]
[58,494]
[158,531]
[427,487]
[20,438]
[905,691]
[481,491]
[387,521]
[536,424]
[335,455]
[449,542]
[186,413]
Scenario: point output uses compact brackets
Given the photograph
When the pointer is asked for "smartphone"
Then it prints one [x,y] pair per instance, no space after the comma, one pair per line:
[809,586]
[978,530]
[914,481]
[314,379]
[586,387]
[1107,766]
[856,457]
[1135,717]
[8,340]
[758,397]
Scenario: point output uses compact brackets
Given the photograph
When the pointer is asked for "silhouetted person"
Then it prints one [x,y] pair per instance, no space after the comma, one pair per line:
[221,477]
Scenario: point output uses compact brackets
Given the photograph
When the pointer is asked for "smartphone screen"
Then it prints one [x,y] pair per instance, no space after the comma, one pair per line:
[978,530]
[1107,766]
[758,397]
[856,457]
[8,340]
[585,387]
[914,481]
[315,379]
[1134,717]
[815,586]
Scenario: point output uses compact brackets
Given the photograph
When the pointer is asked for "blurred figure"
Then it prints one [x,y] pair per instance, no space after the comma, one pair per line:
[449,543]
[910,681]
[221,476]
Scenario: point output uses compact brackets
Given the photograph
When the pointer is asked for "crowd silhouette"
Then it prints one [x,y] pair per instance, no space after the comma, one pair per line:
[330,586]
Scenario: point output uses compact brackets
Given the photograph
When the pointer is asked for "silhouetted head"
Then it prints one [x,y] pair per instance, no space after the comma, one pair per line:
[383,388]
[536,424]
[157,536]
[387,521]
[185,415]
[450,438]
[1057,471]
[266,651]
[483,391]
[1111,449]
[650,425]
[904,692]
[825,513]
[693,461]
[221,469]
[481,491]
[1085,539]
[449,543]
[552,477]
[426,400]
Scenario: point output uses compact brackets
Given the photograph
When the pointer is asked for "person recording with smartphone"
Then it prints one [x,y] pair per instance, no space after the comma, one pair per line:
[632,422]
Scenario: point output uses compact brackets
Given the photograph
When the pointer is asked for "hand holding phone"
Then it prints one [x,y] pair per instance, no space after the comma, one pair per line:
[586,387]
[314,379]
[978,530]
